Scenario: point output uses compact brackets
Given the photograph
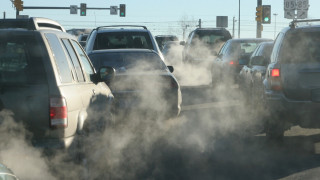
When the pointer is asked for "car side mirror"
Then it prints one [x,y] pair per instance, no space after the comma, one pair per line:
[107,74]
[182,43]
[171,69]
[258,60]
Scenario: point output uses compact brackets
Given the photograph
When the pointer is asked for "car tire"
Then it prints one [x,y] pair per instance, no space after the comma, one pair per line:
[274,130]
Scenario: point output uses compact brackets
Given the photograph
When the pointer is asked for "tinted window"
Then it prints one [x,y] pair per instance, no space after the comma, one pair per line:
[74,60]
[306,50]
[276,47]
[237,48]
[21,59]
[128,61]
[84,61]
[60,58]
[119,40]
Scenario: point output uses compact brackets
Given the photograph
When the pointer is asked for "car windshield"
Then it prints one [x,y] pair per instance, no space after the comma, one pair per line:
[20,60]
[133,61]
[300,47]
[120,40]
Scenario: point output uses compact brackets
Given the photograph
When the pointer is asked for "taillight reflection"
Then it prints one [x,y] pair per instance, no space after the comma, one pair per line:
[58,112]
[275,79]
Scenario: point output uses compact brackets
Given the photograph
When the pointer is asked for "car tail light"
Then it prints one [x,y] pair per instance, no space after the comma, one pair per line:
[275,79]
[58,112]
[234,62]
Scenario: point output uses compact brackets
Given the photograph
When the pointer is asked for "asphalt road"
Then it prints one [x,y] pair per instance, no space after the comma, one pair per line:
[230,145]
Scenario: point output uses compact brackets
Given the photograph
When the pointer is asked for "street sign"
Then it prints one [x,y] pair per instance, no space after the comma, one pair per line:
[73,9]
[222,21]
[296,9]
[289,14]
[302,4]
[289,5]
[302,14]
[113,10]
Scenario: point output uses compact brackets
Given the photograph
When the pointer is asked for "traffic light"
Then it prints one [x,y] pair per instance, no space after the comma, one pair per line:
[266,14]
[259,13]
[18,4]
[122,10]
[83,9]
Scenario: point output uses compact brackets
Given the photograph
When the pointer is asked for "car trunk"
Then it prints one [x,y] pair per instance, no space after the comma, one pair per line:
[30,105]
[301,81]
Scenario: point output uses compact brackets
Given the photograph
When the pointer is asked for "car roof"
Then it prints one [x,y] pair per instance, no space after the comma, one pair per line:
[203,29]
[32,23]
[300,28]
[123,51]
[250,40]
[121,28]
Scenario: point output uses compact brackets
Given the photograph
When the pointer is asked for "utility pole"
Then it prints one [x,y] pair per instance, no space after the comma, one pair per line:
[275,25]
[199,23]
[184,31]
[239,22]
[234,20]
[259,3]
[4,15]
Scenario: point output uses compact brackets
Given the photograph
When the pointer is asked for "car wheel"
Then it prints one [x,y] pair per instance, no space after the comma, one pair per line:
[274,130]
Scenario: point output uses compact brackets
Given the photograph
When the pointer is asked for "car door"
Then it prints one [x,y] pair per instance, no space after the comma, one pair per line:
[98,94]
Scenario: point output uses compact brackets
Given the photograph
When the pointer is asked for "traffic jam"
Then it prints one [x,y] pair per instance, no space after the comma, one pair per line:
[122,102]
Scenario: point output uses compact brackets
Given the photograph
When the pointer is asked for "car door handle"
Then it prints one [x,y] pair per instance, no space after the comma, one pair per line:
[93,92]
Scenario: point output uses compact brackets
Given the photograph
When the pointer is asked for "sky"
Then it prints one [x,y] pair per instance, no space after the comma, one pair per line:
[165,17]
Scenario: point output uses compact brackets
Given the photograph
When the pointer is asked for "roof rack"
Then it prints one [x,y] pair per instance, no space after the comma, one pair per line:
[144,27]
[32,23]
[293,23]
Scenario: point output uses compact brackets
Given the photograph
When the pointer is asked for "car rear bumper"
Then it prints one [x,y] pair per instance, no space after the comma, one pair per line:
[54,143]
[303,113]
[131,101]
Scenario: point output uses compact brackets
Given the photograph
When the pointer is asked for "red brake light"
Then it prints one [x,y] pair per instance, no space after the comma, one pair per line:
[231,62]
[275,72]
[275,80]
[58,112]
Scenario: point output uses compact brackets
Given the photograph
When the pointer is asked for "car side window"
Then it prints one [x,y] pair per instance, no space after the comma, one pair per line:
[85,62]
[276,48]
[74,59]
[60,58]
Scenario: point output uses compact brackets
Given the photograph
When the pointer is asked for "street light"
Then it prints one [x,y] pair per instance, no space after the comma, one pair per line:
[275,25]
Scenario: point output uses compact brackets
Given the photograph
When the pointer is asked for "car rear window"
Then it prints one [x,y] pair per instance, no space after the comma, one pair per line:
[128,61]
[301,47]
[237,48]
[211,37]
[21,59]
[120,40]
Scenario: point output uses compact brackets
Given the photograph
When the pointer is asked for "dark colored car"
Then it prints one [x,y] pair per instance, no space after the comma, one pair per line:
[231,58]
[142,81]
[48,81]
[292,82]
[203,43]
[252,74]
[121,37]
[162,39]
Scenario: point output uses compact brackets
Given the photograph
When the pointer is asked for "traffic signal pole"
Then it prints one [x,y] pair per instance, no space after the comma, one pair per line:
[259,29]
